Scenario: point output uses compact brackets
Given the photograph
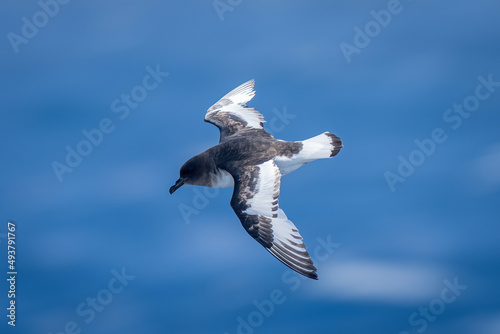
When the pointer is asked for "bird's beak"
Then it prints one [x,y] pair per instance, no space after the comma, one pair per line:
[177,185]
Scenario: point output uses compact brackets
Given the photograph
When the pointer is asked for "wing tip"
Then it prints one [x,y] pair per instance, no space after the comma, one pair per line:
[313,276]
[306,269]
[240,95]
[243,93]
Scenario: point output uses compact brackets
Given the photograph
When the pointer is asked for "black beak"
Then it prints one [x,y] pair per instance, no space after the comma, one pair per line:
[177,185]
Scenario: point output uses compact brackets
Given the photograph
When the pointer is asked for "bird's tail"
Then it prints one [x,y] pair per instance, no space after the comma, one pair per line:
[323,146]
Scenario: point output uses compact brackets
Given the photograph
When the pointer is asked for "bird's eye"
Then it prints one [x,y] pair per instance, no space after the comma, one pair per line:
[187,171]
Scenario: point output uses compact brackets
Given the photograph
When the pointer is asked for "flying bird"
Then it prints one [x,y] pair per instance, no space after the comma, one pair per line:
[253,162]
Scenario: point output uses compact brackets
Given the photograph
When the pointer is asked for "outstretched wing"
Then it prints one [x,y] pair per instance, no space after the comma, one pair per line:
[255,202]
[230,114]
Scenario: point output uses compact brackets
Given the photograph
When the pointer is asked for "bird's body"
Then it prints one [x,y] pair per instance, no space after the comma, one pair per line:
[252,161]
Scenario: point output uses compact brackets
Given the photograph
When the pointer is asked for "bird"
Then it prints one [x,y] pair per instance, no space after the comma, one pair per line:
[252,161]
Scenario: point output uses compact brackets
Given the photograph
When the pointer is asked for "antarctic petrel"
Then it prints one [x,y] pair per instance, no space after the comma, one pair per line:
[253,162]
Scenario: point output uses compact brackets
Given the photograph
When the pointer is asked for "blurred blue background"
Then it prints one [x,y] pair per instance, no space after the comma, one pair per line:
[104,248]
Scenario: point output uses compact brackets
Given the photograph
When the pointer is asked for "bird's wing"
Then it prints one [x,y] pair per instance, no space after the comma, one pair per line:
[230,114]
[255,202]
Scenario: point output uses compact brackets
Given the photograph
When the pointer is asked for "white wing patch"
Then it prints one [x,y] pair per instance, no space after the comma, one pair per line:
[261,202]
[265,197]
[241,94]
[231,108]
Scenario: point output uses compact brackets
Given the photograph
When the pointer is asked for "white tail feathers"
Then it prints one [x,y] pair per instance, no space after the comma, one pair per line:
[323,146]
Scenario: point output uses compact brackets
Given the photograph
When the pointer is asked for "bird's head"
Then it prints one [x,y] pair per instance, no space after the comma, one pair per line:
[191,173]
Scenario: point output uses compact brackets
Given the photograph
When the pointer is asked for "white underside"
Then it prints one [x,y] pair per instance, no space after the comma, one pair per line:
[221,179]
